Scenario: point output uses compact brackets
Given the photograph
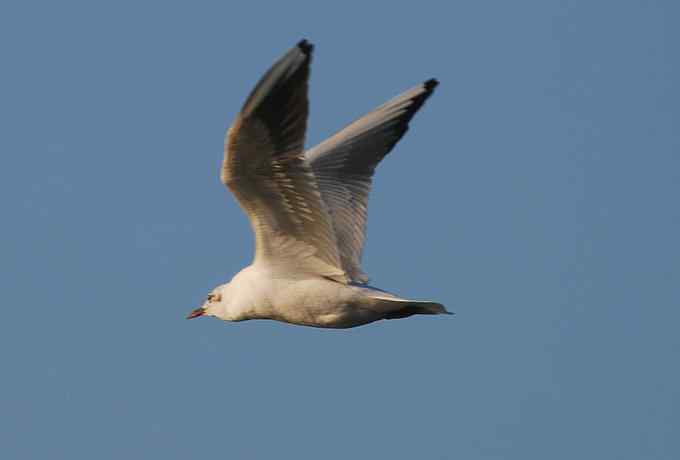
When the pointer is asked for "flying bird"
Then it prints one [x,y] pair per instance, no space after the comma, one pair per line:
[308,209]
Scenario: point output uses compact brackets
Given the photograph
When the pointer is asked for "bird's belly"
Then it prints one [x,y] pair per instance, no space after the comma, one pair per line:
[323,303]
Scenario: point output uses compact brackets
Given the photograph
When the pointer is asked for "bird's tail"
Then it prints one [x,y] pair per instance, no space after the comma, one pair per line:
[416,307]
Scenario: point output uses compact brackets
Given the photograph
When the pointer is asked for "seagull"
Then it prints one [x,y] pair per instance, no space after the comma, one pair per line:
[308,209]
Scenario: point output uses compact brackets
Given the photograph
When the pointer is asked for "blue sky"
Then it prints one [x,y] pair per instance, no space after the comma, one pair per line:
[536,195]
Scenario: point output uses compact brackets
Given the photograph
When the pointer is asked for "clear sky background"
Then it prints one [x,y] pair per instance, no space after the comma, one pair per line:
[536,195]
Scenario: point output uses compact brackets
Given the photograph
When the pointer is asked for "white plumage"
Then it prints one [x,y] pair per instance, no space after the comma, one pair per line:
[308,209]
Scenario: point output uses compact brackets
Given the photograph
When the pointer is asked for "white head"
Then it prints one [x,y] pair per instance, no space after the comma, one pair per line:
[217,305]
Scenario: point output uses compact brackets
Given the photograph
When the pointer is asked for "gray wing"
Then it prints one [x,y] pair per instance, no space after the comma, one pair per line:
[264,167]
[344,164]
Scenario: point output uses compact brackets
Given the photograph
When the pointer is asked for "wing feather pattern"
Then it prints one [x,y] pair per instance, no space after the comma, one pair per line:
[265,168]
[344,164]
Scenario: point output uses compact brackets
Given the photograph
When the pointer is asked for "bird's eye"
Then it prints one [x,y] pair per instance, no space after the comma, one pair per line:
[214,297]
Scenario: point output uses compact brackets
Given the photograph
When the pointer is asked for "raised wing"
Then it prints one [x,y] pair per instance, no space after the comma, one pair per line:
[264,167]
[344,164]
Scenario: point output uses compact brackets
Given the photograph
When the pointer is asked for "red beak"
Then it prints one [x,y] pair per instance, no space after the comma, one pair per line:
[196,313]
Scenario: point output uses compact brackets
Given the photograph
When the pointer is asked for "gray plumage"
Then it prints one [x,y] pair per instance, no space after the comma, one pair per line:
[344,164]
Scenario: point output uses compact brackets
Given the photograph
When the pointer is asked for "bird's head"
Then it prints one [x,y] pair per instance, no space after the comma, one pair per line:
[215,305]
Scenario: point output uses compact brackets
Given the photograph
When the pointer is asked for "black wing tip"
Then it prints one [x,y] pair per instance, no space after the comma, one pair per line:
[431,84]
[306,47]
